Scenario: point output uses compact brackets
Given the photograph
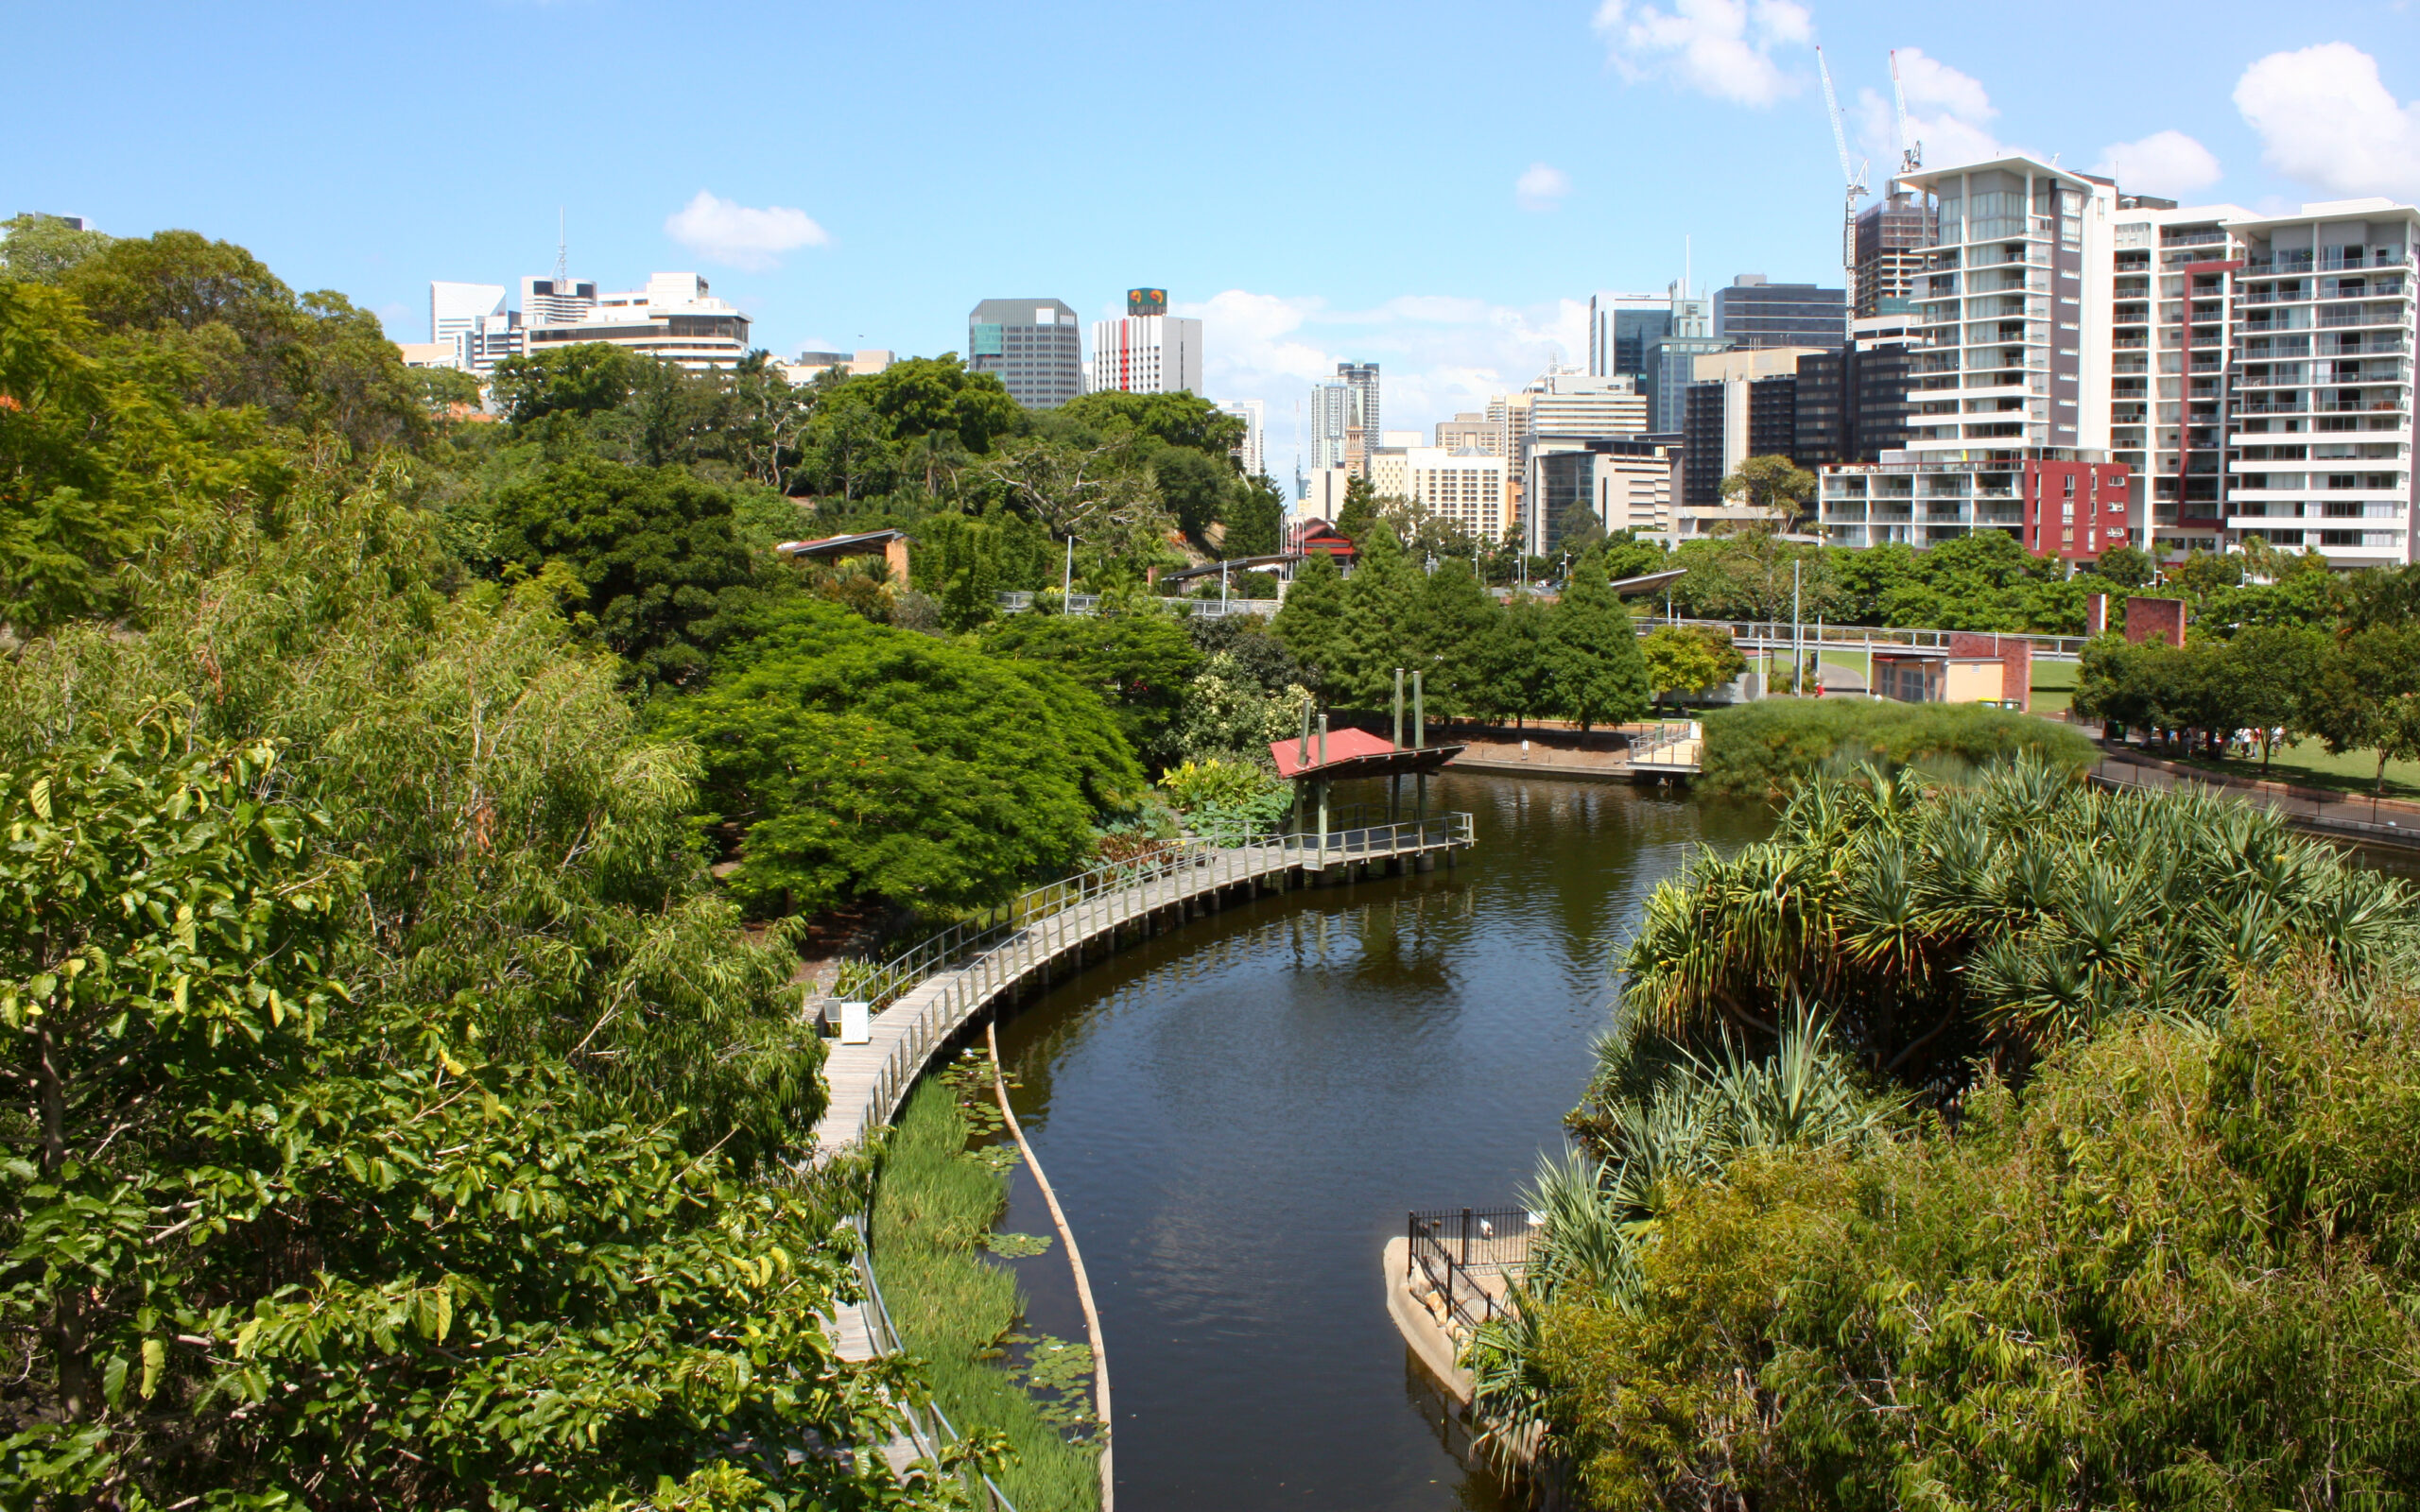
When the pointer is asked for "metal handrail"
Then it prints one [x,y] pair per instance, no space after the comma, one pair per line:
[891,1344]
[1041,925]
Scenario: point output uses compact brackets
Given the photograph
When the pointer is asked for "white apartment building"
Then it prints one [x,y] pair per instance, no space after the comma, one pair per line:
[1466,487]
[1251,453]
[1146,354]
[1626,483]
[863,363]
[1561,410]
[2252,375]
[2319,427]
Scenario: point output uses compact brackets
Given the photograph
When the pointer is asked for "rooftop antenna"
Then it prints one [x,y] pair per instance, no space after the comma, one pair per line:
[1912,153]
[1854,190]
[563,254]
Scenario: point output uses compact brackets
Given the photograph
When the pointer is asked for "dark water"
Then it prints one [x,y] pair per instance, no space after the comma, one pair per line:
[1237,1115]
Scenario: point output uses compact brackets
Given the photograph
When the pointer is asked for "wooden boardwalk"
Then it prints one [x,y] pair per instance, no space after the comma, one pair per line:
[868,1081]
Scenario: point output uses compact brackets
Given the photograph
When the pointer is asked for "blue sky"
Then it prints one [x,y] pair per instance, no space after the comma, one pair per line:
[1437,188]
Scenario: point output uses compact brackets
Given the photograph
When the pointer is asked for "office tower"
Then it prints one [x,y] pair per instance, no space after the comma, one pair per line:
[1671,357]
[556,300]
[1561,410]
[1755,311]
[1035,347]
[455,308]
[676,318]
[2320,419]
[1621,326]
[1471,428]
[1250,451]
[1147,351]
[1344,417]
[1624,482]
[1892,234]
[1744,405]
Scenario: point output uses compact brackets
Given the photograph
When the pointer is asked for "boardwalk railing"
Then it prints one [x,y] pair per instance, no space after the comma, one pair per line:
[1018,601]
[1661,736]
[1775,634]
[929,1441]
[1455,1250]
[976,960]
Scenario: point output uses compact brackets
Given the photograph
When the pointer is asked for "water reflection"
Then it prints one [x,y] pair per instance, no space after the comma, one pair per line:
[1236,1116]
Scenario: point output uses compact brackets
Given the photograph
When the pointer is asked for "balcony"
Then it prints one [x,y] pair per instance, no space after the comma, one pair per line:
[2284,264]
[2374,315]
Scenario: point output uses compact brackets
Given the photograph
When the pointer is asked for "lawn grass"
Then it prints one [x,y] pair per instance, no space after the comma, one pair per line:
[2307,763]
[934,1200]
[2053,686]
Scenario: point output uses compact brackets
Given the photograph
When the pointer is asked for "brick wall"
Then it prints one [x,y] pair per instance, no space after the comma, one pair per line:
[2156,619]
[2016,658]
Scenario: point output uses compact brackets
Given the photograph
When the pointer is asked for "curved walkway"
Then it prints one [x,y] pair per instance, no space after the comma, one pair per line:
[1069,921]
[868,1081]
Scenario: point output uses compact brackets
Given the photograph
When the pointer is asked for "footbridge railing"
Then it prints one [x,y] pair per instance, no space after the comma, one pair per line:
[941,982]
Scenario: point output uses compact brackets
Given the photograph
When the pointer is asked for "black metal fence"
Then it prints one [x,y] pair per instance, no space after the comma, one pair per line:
[1469,1257]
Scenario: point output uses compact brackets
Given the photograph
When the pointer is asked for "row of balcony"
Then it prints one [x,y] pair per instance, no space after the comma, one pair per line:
[2279,265]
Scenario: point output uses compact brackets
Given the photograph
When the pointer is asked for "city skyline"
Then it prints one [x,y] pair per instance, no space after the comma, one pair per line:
[1644,125]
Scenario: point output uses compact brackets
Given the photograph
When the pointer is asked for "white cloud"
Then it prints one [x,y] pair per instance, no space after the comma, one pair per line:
[2325,118]
[1541,188]
[739,235]
[1949,111]
[1437,354]
[1723,49]
[2164,162]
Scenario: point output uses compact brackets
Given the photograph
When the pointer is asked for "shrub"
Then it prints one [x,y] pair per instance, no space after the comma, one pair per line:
[1766,749]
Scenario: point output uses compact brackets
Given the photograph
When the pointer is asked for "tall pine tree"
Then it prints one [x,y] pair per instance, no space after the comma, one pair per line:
[1381,611]
[1456,628]
[1311,621]
[1595,671]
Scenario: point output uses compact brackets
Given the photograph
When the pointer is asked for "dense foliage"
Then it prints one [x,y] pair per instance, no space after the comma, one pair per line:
[1768,749]
[851,760]
[2154,1255]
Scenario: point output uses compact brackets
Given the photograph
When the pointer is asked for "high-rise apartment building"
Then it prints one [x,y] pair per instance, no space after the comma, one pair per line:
[1561,410]
[1892,236]
[1035,347]
[1755,312]
[1624,482]
[1250,453]
[2093,368]
[1466,486]
[1620,329]
[1744,405]
[2319,418]
[1146,354]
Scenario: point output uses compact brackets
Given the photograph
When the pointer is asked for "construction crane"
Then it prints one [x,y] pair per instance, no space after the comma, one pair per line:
[1854,179]
[1912,153]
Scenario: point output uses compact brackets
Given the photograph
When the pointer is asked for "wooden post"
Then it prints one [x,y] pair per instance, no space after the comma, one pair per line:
[1394,781]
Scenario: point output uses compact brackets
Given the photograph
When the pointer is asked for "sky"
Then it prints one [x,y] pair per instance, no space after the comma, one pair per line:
[1437,188]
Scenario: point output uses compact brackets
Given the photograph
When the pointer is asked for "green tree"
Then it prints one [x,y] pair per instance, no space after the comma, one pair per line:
[1689,659]
[1382,601]
[2266,672]
[2126,567]
[1518,660]
[2363,697]
[651,559]
[1193,488]
[1453,626]
[1311,623]
[1255,517]
[1774,483]
[1139,663]
[584,379]
[271,1229]
[1594,673]
[854,761]
[1179,419]
[38,249]
[1361,505]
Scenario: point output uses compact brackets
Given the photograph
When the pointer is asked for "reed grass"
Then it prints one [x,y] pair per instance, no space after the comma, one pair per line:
[934,1201]
[1768,749]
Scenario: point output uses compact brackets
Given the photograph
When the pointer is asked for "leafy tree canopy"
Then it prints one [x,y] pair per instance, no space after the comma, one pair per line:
[1138,663]
[855,761]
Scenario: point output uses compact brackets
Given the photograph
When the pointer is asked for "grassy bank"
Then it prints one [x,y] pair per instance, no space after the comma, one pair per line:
[935,1202]
[1768,747]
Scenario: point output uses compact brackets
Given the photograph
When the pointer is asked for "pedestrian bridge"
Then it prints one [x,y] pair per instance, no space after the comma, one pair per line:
[923,999]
